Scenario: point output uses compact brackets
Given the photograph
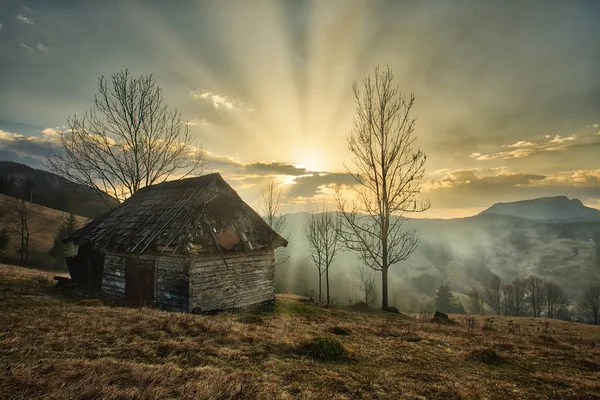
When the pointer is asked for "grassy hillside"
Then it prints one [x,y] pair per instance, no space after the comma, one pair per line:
[55,347]
[47,220]
[462,252]
[51,190]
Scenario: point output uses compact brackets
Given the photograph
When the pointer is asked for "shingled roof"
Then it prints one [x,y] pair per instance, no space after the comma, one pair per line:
[173,215]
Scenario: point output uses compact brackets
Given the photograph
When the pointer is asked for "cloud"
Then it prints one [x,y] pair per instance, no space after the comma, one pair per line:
[581,178]
[23,19]
[1,26]
[217,100]
[559,139]
[43,47]
[26,147]
[275,168]
[478,187]
[50,132]
[23,45]
[524,148]
[198,122]
[522,143]
[310,185]
[505,155]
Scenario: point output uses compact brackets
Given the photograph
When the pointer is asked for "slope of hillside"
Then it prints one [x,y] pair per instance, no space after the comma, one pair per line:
[45,222]
[462,252]
[53,191]
[55,348]
[559,208]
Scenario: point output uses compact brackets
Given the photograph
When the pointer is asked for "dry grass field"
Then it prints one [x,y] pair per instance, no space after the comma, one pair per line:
[57,346]
[45,222]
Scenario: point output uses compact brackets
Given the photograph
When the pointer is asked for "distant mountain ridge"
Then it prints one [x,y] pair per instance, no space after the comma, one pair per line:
[558,208]
[51,190]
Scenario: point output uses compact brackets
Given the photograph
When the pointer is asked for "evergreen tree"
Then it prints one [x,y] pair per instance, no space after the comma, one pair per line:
[446,302]
[60,250]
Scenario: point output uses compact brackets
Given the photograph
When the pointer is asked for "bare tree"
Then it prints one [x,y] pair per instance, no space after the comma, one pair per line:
[492,294]
[366,284]
[519,299]
[388,169]
[536,295]
[513,294]
[19,220]
[128,140]
[555,298]
[589,305]
[323,242]
[476,304]
[508,298]
[269,206]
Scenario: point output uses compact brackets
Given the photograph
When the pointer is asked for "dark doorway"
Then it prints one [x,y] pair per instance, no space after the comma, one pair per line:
[140,283]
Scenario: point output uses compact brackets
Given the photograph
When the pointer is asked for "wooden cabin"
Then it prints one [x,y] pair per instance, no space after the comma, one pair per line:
[190,245]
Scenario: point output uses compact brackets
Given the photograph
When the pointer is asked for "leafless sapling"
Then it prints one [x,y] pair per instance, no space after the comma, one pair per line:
[271,198]
[322,232]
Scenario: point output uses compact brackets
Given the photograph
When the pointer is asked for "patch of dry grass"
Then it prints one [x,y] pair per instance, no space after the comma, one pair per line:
[54,348]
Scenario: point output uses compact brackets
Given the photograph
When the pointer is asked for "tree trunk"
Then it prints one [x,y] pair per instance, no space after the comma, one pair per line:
[384,288]
[320,285]
[26,248]
[327,284]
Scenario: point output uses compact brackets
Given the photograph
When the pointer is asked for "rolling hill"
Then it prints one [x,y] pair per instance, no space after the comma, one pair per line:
[45,222]
[462,252]
[51,190]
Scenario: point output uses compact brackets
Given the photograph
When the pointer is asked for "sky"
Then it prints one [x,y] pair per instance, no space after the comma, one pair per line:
[507,92]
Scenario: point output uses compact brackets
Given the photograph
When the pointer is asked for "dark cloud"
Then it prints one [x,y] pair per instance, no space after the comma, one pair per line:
[275,168]
[308,186]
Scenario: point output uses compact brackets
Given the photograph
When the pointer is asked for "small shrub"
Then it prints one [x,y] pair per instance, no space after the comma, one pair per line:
[338,330]
[489,325]
[324,348]
[164,350]
[486,356]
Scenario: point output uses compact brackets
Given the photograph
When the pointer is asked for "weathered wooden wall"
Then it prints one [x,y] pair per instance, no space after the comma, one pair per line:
[113,279]
[171,280]
[247,279]
[172,283]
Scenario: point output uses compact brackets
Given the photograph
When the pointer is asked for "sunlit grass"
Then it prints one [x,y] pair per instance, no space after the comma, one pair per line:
[52,346]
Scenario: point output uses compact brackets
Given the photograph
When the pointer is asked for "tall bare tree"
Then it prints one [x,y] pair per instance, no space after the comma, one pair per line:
[387,169]
[129,139]
[19,220]
[513,294]
[536,295]
[476,304]
[492,294]
[589,305]
[269,206]
[323,242]
[555,298]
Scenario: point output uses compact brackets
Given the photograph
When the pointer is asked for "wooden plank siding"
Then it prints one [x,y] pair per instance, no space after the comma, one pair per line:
[247,279]
[113,279]
[172,287]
